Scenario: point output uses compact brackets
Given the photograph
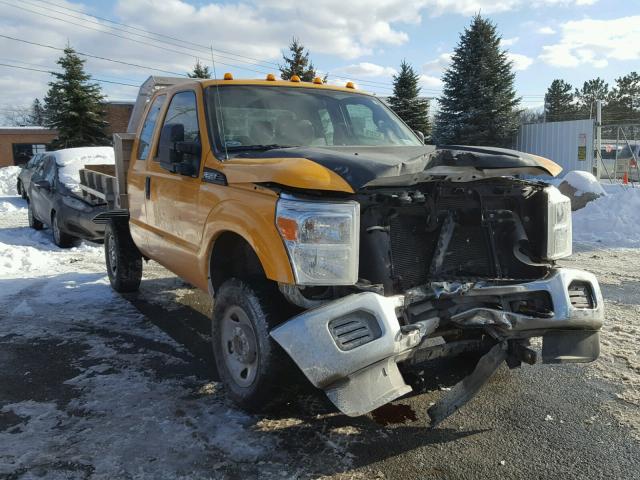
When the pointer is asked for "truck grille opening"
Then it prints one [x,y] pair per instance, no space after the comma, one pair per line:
[354,329]
[580,295]
[411,249]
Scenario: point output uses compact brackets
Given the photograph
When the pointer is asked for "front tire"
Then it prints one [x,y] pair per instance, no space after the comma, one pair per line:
[60,238]
[250,364]
[123,259]
[33,221]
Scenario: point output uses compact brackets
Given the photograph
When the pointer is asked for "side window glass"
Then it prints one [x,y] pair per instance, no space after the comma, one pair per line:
[148,127]
[50,171]
[179,146]
[39,168]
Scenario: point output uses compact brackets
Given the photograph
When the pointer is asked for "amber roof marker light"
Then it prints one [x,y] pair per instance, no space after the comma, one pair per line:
[228,76]
[271,77]
[318,81]
[295,78]
[350,85]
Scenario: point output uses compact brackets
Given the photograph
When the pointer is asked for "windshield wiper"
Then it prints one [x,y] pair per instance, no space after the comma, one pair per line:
[237,148]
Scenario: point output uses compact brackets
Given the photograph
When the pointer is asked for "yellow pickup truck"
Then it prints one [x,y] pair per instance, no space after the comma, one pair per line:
[333,240]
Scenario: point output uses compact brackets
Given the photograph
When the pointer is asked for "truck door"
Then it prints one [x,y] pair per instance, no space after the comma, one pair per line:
[174,213]
[137,178]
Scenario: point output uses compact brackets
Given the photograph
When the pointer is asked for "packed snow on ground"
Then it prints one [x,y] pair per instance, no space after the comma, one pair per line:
[610,221]
[8,180]
[71,160]
[140,406]
[583,182]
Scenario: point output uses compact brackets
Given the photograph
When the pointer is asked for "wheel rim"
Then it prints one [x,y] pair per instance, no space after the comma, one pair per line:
[239,346]
[113,255]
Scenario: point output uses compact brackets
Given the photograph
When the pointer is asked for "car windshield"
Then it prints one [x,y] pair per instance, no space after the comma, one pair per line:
[262,118]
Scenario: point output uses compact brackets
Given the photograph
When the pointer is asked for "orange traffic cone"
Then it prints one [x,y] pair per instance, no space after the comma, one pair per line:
[625,178]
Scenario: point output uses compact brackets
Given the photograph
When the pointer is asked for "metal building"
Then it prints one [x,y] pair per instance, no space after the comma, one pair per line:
[569,144]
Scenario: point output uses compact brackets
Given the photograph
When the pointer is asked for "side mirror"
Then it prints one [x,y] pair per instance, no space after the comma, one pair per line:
[420,136]
[175,154]
[171,134]
[44,184]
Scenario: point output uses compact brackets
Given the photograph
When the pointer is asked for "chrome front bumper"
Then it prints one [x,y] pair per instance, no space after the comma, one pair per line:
[350,347]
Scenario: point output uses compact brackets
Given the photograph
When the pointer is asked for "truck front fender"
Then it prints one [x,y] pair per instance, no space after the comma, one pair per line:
[254,221]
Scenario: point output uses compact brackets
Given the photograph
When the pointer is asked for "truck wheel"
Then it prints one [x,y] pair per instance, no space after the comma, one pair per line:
[250,364]
[19,189]
[33,221]
[60,238]
[123,259]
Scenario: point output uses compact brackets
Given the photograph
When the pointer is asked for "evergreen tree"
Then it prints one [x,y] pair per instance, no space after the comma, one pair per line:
[623,104]
[37,113]
[531,115]
[199,71]
[298,64]
[406,101]
[592,90]
[479,104]
[74,106]
[559,103]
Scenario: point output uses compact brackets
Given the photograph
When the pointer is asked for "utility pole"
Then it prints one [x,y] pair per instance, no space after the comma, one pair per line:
[598,138]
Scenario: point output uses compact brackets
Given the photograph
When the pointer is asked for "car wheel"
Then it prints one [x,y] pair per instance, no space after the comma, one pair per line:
[33,221]
[250,363]
[123,259]
[60,238]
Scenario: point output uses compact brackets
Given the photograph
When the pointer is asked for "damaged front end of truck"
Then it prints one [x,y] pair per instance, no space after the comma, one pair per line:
[445,255]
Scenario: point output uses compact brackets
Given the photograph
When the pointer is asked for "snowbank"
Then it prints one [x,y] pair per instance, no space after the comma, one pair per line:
[583,182]
[8,179]
[71,160]
[610,221]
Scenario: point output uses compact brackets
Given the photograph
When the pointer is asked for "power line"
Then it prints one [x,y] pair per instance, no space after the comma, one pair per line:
[126,38]
[255,61]
[99,80]
[187,51]
[95,56]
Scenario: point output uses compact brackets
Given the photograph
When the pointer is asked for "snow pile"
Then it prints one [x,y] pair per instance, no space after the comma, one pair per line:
[71,160]
[583,182]
[8,180]
[612,220]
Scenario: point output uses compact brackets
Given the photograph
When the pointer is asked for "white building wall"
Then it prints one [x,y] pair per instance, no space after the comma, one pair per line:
[560,142]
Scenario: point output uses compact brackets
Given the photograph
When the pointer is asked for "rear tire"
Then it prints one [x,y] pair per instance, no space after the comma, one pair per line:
[60,238]
[33,221]
[250,363]
[123,259]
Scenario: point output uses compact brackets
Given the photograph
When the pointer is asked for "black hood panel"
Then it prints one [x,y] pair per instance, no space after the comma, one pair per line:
[360,165]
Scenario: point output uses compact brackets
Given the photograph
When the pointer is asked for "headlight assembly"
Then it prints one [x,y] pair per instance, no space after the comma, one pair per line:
[322,239]
[558,220]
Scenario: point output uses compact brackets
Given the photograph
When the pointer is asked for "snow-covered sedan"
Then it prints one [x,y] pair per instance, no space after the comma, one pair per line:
[55,198]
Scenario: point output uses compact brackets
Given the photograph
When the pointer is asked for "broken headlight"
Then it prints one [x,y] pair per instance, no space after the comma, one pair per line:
[322,240]
[558,219]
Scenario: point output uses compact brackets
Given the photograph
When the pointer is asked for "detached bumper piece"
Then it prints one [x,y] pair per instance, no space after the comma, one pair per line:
[351,347]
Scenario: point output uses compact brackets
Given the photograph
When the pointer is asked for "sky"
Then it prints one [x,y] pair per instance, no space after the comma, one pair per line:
[359,40]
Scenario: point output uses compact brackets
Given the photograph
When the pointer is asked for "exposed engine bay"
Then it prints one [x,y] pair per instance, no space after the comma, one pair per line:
[443,231]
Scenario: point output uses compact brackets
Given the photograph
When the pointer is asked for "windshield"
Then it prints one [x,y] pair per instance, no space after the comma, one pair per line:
[260,117]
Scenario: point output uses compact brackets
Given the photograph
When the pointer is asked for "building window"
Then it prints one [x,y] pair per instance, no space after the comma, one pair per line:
[22,152]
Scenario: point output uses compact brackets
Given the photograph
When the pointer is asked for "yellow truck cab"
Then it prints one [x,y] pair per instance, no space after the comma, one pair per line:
[333,240]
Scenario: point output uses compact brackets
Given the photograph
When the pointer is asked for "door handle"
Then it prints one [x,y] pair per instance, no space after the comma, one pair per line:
[147,188]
